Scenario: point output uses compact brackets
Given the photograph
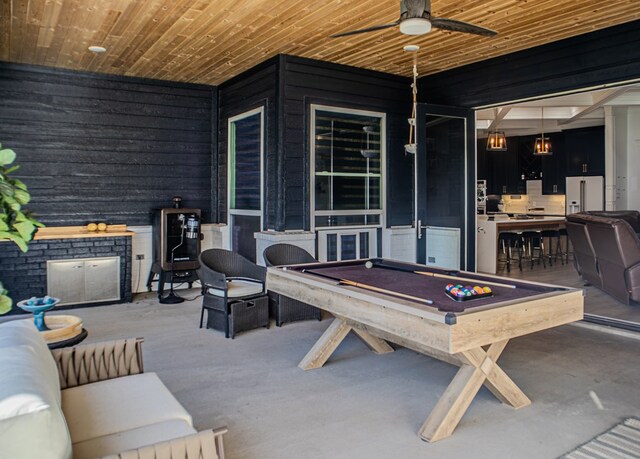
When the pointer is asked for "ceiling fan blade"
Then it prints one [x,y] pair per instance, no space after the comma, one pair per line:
[460,26]
[368,29]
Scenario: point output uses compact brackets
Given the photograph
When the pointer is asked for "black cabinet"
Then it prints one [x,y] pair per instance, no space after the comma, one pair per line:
[585,151]
[554,167]
[575,152]
[500,168]
[529,165]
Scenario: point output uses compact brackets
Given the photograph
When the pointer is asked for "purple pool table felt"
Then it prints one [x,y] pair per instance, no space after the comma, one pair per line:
[427,287]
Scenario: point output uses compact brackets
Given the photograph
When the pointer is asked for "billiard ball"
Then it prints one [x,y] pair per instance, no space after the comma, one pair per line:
[449,287]
[368,265]
[487,290]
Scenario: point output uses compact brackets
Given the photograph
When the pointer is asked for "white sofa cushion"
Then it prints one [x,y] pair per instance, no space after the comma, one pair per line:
[31,420]
[25,333]
[237,288]
[132,439]
[119,404]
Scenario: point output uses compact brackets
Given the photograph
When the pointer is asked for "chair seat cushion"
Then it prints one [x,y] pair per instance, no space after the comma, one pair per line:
[119,404]
[132,439]
[238,288]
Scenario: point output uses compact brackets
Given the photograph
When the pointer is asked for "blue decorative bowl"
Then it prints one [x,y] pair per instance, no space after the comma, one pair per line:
[38,306]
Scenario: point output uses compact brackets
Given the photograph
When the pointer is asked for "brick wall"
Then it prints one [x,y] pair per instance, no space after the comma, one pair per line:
[25,274]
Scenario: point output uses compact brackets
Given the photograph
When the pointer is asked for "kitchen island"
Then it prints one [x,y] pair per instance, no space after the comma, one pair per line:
[489,230]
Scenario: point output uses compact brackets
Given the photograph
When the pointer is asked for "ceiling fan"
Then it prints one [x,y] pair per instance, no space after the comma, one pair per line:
[416,19]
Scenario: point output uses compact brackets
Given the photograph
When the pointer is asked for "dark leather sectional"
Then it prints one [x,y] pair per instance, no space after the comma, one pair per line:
[606,248]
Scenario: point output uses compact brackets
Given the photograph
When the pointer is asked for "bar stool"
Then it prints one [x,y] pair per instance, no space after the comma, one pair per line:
[532,240]
[507,242]
[553,235]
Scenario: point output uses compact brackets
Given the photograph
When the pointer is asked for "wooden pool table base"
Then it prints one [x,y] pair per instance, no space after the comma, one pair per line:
[478,367]
[472,339]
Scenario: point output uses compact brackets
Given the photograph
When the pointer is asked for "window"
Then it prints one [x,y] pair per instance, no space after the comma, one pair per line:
[245,180]
[348,151]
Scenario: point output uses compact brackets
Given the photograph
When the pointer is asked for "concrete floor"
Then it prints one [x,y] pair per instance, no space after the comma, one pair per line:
[362,405]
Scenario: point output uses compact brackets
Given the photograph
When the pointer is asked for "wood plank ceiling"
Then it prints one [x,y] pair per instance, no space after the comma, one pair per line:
[210,41]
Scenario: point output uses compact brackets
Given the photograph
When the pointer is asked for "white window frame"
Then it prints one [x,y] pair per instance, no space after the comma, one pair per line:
[383,171]
[254,213]
[340,231]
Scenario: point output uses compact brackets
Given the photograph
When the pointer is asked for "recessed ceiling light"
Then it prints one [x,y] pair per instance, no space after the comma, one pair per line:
[97,49]
[411,48]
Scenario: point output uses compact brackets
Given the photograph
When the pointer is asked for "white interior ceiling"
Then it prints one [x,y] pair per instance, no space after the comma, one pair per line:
[563,112]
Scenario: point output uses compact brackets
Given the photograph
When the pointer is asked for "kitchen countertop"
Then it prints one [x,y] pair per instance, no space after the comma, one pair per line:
[489,230]
[502,219]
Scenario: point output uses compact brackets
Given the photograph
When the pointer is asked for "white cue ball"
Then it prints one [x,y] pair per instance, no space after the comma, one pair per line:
[368,265]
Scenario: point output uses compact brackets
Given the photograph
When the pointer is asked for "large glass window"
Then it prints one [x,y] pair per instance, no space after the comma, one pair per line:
[347,167]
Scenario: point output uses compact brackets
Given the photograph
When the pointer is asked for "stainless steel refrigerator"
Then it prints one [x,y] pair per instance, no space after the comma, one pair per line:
[584,193]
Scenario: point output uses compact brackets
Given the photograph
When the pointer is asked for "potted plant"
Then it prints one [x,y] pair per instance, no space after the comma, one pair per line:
[16,223]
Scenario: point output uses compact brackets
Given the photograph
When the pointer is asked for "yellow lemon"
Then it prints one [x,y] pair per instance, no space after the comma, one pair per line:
[92,227]
[102,226]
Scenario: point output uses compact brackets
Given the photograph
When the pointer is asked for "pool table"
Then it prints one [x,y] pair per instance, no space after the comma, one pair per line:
[385,301]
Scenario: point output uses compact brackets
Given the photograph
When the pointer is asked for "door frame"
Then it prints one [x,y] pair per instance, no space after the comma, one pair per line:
[468,238]
[254,213]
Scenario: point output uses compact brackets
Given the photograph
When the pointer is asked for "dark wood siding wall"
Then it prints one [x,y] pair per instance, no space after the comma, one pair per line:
[305,82]
[252,89]
[105,148]
[606,56]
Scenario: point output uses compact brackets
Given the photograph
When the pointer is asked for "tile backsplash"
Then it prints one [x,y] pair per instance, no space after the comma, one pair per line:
[520,204]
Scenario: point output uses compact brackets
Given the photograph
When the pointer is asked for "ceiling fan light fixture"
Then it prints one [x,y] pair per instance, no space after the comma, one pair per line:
[415,26]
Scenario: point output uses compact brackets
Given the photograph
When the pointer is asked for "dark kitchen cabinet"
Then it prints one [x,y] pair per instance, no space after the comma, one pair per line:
[529,165]
[554,167]
[584,151]
[575,152]
[500,168]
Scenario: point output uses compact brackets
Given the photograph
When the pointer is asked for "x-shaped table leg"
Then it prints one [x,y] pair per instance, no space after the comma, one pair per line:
[331,339]
[478,367]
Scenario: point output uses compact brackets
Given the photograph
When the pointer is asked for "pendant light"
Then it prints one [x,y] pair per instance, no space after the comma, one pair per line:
[542,146]
[496,141]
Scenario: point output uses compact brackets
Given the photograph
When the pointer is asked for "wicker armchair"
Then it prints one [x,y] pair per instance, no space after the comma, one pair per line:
[91,363]
[282,308]
[227,277]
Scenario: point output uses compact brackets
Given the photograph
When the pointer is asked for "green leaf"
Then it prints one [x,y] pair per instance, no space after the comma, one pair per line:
[12,203]
[15,238]
[19,184]
[3,227]
[5,304]
[7,156]
[25,229]
[22,197]
[11,169]
[6,189]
